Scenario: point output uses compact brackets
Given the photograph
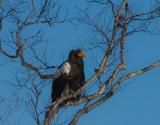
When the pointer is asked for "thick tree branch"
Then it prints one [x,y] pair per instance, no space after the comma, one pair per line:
[130,75]
[111,92]
[106,57]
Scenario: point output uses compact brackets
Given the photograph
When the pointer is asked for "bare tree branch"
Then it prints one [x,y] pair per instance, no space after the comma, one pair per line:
[111,92]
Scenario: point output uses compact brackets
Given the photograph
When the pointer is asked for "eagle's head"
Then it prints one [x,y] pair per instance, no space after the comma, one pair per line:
[76,54]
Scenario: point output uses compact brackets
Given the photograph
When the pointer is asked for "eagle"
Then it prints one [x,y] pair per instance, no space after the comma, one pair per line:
[69,76]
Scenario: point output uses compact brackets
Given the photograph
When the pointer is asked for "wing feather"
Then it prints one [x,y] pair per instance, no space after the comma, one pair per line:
[64,69]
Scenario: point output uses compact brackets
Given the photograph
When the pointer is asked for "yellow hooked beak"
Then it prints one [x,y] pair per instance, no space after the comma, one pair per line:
[81,54]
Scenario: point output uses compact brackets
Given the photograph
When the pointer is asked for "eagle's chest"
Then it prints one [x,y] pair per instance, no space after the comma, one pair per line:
[75,70]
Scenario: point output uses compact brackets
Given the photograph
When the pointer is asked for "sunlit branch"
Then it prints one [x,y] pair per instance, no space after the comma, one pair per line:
[111,92]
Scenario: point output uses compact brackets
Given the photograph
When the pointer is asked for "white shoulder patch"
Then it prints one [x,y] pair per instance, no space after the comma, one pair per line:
[64,69]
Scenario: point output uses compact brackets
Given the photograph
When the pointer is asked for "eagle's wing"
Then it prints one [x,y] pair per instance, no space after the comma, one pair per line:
[60,80]
[63,69]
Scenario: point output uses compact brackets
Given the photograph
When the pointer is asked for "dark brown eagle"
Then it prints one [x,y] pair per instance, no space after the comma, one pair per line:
[69,76]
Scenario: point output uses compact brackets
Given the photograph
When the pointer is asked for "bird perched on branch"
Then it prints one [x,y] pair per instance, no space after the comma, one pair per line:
[69,77]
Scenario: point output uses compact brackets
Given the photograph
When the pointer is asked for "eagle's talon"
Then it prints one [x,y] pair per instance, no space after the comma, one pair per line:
[71,103]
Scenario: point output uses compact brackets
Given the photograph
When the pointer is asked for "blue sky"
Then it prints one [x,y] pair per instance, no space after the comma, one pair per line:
[137,104]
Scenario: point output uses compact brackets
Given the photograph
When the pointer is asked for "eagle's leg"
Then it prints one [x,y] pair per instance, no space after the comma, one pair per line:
[66,90]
